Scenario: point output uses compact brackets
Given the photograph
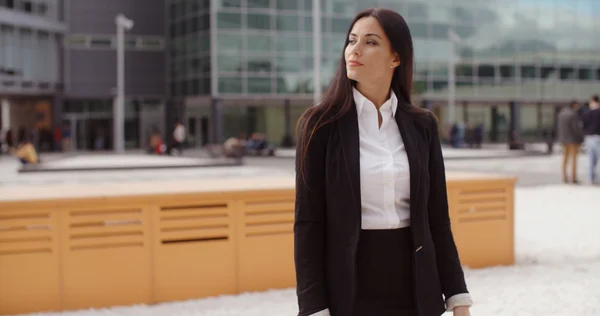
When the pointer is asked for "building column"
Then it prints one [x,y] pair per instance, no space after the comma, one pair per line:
[174,110]
[465,112]
[57,120]
[5,108]
[288,140]
[216,113]
[514,130]
[540,125]
[494,124]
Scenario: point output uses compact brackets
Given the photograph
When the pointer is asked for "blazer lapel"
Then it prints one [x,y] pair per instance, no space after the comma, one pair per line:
[348,129]
[408,133]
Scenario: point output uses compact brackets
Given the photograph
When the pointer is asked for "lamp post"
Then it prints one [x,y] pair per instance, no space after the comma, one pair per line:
[316,18]
[123,24]
[453,39]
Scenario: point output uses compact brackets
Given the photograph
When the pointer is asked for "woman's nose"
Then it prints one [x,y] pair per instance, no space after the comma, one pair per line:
[355,50]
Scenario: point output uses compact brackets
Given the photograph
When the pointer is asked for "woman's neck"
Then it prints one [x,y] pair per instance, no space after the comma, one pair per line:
[376,93]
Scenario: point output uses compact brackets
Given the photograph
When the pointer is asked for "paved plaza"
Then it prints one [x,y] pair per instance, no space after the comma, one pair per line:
[531,167]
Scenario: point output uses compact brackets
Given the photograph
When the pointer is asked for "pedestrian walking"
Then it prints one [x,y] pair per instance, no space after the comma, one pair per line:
[570,135]
[591,124]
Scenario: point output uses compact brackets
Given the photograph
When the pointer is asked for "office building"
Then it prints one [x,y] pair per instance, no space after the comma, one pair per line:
[226,67]
[90,71]
[249,62]
[31,84]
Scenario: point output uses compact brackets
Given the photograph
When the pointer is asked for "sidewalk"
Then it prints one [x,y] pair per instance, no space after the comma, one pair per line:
[487,151]
[556,273]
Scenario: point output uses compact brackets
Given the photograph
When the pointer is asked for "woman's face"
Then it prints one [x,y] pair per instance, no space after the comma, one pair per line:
[369,56]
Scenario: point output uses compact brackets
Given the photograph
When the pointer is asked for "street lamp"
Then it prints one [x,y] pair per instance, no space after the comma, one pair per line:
[453,39]
[123,24]
[316,19]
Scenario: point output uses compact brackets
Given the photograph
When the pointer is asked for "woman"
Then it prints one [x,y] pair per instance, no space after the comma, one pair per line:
[371,202]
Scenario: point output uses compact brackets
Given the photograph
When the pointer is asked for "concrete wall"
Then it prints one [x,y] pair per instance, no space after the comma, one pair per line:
[91,73]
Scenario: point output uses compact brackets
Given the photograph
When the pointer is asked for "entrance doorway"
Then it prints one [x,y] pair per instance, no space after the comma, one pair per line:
[89,131]
[198,131]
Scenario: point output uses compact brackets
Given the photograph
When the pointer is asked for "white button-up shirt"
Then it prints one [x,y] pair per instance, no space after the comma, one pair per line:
[384,170]
[385,175]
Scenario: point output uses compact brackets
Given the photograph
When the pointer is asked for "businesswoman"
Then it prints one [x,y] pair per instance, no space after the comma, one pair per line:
[372,230]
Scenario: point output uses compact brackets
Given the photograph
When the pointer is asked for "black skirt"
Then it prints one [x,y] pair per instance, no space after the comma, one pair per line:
[385,274]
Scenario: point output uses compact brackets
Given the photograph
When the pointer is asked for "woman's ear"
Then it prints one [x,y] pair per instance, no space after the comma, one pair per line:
[396,62]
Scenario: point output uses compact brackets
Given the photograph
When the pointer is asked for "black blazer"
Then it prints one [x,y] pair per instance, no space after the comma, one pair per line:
[328,217]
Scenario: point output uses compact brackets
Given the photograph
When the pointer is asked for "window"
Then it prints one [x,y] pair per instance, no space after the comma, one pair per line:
[288,23]
[100,42]
[229,62]
[416,10]
[42,8]
[418,29]
[259,85]
[464,70]
[584,73]
[76,40]
[259,64]
[27,6]
[340,25]
[259,43]
[230,84]
[507,72]
[289,63]
[528,72]
[549,72]
[259,21]
[288,43]
[230,43]
[287,5]
[229,20]
[567,73]
[308,5]
[231,3]
[151,43]
[308,22]
[131,43]
[204,43]
[259,3]
[486,71]
[439,31]
[7,3]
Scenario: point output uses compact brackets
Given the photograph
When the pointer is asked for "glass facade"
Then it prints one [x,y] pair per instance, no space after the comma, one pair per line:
[189,62]
[525,50]
[29,53]
[535,52]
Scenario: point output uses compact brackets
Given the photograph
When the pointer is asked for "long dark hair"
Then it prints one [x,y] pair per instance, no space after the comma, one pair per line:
[338,99]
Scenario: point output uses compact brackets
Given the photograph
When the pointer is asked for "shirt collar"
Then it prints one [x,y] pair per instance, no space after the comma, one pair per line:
[360,101]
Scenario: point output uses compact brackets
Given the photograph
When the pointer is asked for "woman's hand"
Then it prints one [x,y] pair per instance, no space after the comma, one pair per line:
[461,311]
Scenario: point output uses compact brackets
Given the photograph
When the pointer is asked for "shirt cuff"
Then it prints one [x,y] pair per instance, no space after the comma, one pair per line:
[324,312]
[462,299]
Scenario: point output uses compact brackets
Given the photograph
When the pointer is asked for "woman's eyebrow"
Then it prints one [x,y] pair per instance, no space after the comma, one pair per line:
[369,34]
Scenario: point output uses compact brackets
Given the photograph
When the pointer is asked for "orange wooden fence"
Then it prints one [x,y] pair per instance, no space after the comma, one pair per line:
[100,245]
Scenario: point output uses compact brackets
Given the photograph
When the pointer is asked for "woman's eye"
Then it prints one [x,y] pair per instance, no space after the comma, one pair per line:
[371,42]
[352,41]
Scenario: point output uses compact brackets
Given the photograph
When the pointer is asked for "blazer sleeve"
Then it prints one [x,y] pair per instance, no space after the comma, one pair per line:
[450,270]
[309,226]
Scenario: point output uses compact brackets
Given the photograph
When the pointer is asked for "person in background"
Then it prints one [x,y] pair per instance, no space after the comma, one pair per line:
[591,125]
[570,135]
[25,150]
[179,137]
[67,142]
